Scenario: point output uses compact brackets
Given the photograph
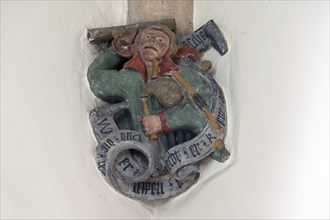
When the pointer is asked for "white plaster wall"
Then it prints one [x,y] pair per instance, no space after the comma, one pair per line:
[47,166]
[276,76]
[276,81]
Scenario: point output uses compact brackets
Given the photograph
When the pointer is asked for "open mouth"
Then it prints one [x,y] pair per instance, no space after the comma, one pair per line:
[150,47]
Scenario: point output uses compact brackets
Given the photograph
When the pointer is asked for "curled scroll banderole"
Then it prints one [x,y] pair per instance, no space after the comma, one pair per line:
[218,144]
[132,164]
[206,36]
[120,154]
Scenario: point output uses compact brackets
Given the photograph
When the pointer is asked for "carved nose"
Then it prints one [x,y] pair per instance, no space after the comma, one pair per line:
[152,40]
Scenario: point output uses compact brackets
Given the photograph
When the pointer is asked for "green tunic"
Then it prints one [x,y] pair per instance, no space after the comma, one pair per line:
[112,85]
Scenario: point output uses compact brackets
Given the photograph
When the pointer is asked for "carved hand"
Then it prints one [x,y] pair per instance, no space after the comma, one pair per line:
[151,124]
[122,42]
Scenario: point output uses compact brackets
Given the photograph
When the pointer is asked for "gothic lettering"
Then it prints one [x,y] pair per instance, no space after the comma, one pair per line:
[173,159]
[195,149]
[136,188]
[125,162]
[180,184]
[205,144]
[185,152]
[221,118]
[151,188]
[170,183]
[106,129]
[210,137]
[196,39]
[110,142]
[128,136]
[101,166]
[105,147]
[202,34]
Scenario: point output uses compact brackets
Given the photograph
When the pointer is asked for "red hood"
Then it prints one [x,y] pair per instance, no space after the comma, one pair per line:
[136,63]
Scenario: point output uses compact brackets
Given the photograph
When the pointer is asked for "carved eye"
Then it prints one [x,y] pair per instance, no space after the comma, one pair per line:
[160,39]
[148,36]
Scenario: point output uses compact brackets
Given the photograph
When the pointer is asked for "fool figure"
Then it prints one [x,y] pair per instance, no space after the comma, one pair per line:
[164,114]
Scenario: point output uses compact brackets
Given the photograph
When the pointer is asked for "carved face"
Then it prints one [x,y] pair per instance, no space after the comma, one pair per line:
[153,45]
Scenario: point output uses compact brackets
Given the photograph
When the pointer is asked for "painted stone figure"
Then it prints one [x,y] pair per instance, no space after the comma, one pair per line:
[165,114]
